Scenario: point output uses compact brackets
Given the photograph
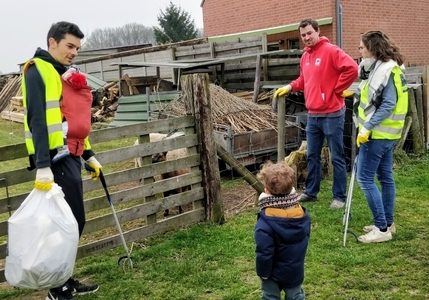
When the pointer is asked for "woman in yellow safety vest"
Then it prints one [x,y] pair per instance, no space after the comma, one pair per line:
[381,104]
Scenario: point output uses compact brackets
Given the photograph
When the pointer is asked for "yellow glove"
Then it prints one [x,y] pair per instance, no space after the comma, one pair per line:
[44,179]
[283,91]
[363,136]
[95,166]
[347,93]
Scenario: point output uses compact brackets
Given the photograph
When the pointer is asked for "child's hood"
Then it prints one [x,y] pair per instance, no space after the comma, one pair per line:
[288,229]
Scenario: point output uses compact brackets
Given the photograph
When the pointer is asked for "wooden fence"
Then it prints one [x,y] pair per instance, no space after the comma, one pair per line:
[138,198]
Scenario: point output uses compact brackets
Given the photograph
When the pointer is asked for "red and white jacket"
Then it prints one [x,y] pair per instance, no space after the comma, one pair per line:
[325,72]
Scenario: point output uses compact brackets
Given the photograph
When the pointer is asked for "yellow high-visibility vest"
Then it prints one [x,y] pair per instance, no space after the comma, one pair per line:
[391,127]
[53,91]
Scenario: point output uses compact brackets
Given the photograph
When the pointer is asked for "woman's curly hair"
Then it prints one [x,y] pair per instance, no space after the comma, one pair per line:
[379,44]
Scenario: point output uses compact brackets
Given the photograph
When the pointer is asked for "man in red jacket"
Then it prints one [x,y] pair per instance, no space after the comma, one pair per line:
[326,71]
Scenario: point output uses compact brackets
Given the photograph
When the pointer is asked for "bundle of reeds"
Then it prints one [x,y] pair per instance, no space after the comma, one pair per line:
[242,115]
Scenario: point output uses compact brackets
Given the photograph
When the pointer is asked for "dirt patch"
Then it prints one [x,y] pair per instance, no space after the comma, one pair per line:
[238,198]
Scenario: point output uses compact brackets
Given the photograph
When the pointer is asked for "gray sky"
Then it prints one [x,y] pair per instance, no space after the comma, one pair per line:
[24,24]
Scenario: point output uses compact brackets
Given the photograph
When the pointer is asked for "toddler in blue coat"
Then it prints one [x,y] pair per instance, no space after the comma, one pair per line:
[282,232]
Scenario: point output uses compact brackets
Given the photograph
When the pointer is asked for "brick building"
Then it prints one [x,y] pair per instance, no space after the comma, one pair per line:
[341,21]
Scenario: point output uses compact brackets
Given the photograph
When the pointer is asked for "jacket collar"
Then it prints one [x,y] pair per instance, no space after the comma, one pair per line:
[322,40]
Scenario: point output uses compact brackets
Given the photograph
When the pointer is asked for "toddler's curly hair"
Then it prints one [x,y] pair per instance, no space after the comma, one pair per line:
[277,178]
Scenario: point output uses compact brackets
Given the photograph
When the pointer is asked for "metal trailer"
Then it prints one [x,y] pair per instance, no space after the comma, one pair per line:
[255,147]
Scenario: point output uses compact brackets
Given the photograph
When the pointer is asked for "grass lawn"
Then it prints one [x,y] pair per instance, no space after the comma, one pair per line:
[208,261]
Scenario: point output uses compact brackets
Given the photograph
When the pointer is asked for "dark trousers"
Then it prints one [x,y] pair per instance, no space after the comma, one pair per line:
[67,174]
[271,290]
[331,128]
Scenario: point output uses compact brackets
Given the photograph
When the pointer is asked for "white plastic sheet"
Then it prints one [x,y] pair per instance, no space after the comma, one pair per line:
[43,237]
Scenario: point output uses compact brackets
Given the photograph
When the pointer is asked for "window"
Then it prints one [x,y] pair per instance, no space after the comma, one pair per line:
[293,43]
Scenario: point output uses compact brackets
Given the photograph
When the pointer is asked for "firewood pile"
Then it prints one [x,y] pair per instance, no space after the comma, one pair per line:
[11,99]
[105,103]
[227,109]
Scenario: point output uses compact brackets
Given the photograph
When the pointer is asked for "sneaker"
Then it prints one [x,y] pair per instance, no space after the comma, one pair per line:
[306,198]
[78,288]
[61,293]
[375,236]
[337,204]
[391,228]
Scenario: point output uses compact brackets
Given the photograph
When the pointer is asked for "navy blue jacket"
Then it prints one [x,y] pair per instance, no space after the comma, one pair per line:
[281,244]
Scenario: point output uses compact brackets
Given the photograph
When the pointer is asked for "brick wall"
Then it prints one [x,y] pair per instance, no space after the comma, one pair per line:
[404,21]
[226,16]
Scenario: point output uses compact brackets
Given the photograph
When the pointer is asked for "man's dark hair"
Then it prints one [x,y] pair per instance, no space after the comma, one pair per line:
[304,23]
[60,29]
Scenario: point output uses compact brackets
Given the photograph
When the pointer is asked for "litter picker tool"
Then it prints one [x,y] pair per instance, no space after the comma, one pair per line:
[125,260]
[347,214]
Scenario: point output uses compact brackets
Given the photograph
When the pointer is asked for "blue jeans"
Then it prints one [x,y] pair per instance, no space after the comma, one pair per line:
[271,291]
[376,157]
[317,129]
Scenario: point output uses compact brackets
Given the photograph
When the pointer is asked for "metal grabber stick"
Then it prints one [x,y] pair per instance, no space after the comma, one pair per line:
[347,215]
[125,260]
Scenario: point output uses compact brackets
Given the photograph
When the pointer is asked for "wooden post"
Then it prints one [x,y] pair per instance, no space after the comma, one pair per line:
[419,107]
[415,125]
[265,59]
[407,125]
[147,160]
[195,88]
[425,78]
[240,169]
[281,112]
[120,80]
[148,101]
[257,83]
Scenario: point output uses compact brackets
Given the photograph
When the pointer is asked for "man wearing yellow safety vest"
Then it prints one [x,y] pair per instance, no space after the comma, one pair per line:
[57,123]
[381,104]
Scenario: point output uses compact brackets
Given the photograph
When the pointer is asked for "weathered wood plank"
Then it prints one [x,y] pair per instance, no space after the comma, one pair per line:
[416,130]
[119,154]
[142,210]
[142,98]
[139,107]
[18,176]
[109,134]
[15,151]
[115,178]
[142,191]
[141,233]
[237,46]
[131,152]
[136,193]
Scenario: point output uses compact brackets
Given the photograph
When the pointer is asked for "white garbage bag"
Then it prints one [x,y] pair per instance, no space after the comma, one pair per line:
[43,237]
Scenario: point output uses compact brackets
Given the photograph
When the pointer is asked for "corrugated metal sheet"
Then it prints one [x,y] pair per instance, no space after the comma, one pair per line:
[139,108]
[94,82]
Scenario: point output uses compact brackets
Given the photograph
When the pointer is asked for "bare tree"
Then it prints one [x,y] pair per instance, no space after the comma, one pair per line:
[127,35]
